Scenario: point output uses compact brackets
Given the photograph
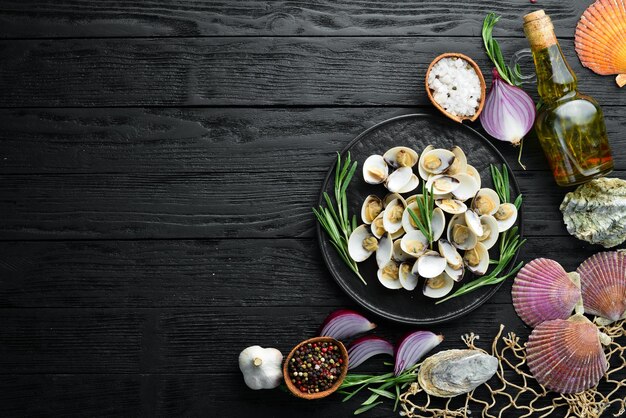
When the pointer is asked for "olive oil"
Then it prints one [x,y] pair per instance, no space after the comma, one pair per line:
[570,125]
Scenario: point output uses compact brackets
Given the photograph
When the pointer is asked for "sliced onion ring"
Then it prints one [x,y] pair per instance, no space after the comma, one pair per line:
[345,323]
[366,347]
[412,348]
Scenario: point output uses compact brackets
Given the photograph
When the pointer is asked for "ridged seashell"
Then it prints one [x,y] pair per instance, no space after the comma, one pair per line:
[596,212]
[600,41]
[603,281]
[543,291]
[566,355]
[455,372]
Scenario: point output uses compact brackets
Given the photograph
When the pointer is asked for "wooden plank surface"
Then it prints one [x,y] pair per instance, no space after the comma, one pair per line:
[158,163]
[222,205]
[240,71]
[90,18]
[194,273]
[190,140]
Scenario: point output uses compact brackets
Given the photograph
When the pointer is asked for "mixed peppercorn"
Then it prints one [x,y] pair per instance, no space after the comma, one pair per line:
[315,367]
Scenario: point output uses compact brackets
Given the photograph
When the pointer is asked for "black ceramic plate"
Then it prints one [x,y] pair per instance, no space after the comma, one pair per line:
[415,131]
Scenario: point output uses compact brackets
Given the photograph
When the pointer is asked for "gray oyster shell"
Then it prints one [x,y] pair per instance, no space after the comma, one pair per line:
[596,212]
[455,372]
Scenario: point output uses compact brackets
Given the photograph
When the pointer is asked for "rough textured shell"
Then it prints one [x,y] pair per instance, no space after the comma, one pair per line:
[455,372]
[603,282]
[543,291]
[596,212]
[566,356]
[601,38]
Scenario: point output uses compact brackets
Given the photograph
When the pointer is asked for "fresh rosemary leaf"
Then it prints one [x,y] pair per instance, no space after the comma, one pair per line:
[334,218]
[383,393]
[492,48]
[367,408]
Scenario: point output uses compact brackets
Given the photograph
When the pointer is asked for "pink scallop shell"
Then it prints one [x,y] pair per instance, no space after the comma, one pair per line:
[603,282]
[566,356]
[543,291]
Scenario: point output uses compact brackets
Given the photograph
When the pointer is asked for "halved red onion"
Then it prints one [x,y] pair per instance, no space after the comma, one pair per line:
[366,347]
[509,112]
[344,323]
[412,348]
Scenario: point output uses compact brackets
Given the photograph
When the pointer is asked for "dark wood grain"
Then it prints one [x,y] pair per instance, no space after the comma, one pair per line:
[269,71]
[144,140]
[47,19]
[179,340]
[182,273]
[222,205]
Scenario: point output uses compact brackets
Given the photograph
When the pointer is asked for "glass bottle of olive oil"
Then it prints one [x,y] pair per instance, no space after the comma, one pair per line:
[570,125]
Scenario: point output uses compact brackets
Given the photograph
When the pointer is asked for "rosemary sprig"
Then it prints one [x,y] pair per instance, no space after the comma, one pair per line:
[335,218]
[510,241]
[425,206]
[385,385]
[510,75]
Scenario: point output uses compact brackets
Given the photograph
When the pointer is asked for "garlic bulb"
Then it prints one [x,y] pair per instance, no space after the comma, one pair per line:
[261,367]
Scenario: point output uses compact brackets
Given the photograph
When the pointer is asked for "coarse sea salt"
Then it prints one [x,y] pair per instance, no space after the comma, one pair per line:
[455,86]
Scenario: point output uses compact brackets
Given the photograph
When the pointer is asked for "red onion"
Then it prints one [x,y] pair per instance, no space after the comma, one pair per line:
[413,347]
[344,323]
[509,112]
[365,347]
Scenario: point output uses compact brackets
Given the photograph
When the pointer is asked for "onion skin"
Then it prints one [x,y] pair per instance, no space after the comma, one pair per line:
[364,348]
[412,347]
[509,112]
[345,323]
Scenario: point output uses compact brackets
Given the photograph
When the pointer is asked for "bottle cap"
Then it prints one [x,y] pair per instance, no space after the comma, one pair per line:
[539,30]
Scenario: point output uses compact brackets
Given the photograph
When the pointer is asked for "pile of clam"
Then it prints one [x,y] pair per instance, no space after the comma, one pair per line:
[565,353]
[466,220]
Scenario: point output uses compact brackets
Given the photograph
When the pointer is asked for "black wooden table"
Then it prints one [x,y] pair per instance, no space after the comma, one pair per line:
[159,161]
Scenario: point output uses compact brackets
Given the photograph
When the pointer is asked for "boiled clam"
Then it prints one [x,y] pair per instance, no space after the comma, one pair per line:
[436,161]
[459,165]
[389,275]
[392,216]
[452,206]
[401,157]
[375,170]
[407,277]
[430,264]
[506,215]
[372,207]
[489,237]
[362,244]
[414,243]
[384,250]
[439,286]
[486,202]
[477,259]
[442,184]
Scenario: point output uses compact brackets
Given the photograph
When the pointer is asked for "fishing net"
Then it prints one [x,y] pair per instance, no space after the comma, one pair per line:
[514,392]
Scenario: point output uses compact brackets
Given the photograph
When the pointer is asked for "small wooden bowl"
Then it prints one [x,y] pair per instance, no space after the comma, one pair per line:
[310,396]
[481,103]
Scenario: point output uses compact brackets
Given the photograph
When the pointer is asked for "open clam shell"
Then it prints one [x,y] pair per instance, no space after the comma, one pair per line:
[401,157]
[436,161]
[477,259]
[420,165]
[439,286]
[490,235]
[471,170]
[372,207]
[451,206]
[476,68]
[378,227]
[375,169]
[603,282]
[460,235]
[468,186]
[399,179]
[389,275]
[506,215]
[392,216]
[566,355]
[408,278]
[414,181]
[361,244]
[430,264]
[543,291]
[486,202]
[442,184]
[438,223]
[460,161]
[414,243]
[384,251]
